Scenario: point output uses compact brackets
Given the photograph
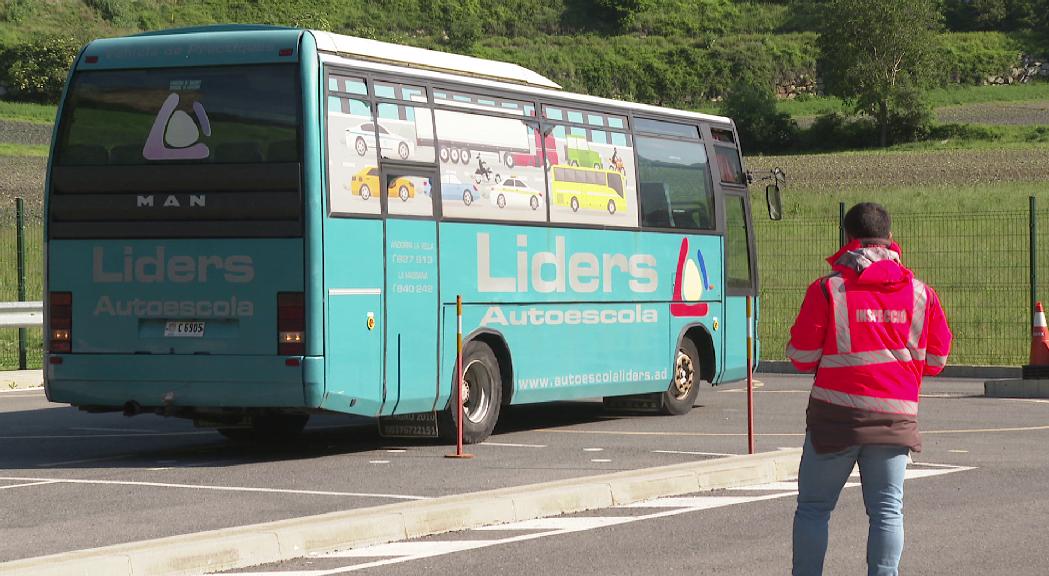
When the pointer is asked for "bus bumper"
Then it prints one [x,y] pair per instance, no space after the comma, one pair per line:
[113,380]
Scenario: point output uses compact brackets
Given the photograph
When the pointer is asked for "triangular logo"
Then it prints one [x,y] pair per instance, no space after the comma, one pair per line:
[175,135]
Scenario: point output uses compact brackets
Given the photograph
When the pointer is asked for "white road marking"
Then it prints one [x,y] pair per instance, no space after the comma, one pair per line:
[378,461]
[131,430]
[958,451]
[770,486]
[396,451]
[218,488]
[89,436]
[12,391]
[85,460]
[418,549]
[513,445]
[601,460]
[560,523]
[693,453]
[693,502]
[27,484]
[593,449]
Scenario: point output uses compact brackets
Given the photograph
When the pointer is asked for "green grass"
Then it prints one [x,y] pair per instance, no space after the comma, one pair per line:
[24,150]
[26,112]
[34,261]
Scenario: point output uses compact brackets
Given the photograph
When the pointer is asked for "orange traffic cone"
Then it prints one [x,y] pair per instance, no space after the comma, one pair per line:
[1038,366]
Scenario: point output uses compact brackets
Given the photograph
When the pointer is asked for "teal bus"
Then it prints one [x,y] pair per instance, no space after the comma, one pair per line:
[209,253]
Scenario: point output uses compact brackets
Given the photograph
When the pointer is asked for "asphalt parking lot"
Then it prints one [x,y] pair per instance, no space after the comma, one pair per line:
[70,481]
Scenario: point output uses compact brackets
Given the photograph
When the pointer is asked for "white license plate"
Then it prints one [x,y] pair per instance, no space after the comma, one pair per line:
[182,329]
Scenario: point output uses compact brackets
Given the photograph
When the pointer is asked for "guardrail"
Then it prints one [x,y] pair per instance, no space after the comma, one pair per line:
[21,314]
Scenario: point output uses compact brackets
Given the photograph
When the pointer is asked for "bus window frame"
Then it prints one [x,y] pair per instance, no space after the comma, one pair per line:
[543,125]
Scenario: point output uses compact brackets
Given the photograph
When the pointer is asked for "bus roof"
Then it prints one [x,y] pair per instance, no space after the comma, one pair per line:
[478,71]
[411,57]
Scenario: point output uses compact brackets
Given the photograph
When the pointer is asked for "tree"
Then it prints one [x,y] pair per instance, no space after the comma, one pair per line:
[36,70]
[761,127]
[871,51]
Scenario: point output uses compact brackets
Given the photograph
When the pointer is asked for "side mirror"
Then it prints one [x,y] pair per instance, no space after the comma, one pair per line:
[772,196]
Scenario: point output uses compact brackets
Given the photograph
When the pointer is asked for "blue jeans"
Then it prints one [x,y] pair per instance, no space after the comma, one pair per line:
[820,481]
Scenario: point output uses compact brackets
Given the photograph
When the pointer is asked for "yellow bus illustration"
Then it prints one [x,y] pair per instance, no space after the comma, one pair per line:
[577,187]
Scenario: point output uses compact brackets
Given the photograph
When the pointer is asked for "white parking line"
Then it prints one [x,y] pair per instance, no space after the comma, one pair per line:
[513,445]
[90,436]
[693,453]
[27,484]
[218,488]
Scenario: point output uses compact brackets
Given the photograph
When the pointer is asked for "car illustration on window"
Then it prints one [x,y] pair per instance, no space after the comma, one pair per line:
[513,192]
[362,136]
[452,188]
[365,182]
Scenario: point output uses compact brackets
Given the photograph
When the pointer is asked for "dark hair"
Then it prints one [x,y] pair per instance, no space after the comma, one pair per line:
[868,220]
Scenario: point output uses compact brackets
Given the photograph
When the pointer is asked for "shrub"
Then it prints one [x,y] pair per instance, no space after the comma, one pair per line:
[761,128]
[36,70]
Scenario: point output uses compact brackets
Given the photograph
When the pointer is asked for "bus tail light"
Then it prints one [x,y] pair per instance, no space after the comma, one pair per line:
[291,324]
[61,315]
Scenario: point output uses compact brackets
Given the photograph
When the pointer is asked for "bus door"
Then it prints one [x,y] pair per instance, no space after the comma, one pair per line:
[412,301]
[740,283]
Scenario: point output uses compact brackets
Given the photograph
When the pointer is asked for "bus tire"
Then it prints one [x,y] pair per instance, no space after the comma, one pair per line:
[366,192]
[403,151]
[464,157]
[361,146]
[269,428]
[500,201]
[508,160]
[444,155]
[534,202]
[454,156]
[483,393]
[574,203]
[684,384]
[611,206]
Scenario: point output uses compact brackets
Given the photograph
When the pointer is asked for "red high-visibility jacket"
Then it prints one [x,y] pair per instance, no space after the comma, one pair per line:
[870,331]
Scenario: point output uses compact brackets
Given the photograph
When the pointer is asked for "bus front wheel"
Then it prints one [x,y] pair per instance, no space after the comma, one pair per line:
[574,203]
[684,383]
[482,395]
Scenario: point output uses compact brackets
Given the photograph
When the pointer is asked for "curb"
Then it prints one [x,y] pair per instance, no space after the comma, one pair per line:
[21,379]
[1016,388]
[245,546]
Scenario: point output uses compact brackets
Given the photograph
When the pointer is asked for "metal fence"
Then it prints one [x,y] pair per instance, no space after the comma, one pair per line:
[979,264]
[21,279]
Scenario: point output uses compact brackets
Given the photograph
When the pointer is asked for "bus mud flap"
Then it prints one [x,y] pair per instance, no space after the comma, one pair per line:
[419,425]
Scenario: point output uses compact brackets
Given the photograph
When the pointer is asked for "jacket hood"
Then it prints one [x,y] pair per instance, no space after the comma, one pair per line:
[871,262]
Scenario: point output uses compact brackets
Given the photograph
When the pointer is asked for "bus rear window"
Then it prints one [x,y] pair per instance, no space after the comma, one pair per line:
[228,114]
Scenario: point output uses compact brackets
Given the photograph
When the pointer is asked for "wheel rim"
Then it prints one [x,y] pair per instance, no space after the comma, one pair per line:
[501,201]
[611,207]
[361,147]
[477,381]
[403,150]
[684,375]
[404,193]
[365,192]
[575,205]
[535,203]
[467,198]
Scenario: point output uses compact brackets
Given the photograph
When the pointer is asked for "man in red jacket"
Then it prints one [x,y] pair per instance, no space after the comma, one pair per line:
[870,331]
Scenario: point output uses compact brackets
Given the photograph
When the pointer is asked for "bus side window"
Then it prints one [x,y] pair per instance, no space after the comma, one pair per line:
[615,182]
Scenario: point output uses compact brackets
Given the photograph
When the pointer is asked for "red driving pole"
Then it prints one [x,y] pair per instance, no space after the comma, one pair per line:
[750,378]
[459,380]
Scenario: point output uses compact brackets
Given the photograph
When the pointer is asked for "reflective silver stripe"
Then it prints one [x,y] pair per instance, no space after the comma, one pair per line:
[918,354]
[917,314]
[889,405]
[836,284]
[936,361]
[803,355]
[865,358]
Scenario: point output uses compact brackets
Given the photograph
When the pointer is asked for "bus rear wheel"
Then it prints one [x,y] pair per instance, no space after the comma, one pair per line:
[482,394]
[684,383]
[574,203]
[268,428]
